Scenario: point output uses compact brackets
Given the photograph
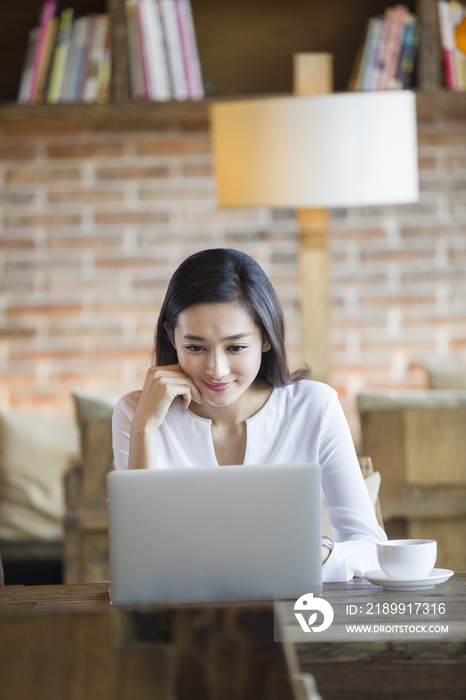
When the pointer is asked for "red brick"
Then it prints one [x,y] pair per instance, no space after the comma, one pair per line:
[16,198]
[123,353]
[90,242]
[87,150]
[456,163]
[453,185]
[86,196]
[132,173]
[448,137]
[8,332]
[48,354]
[17,152]
[396,255]
[427,163]
[355,234]
[40,175]
[131,262]
[174,194]
[132,217]
[406,299]
[44,220]
[17,243]
[202,170]
[180,146]
[45,310]
[432,231]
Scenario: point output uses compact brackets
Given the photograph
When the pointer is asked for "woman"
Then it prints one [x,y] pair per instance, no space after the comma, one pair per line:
[220,392]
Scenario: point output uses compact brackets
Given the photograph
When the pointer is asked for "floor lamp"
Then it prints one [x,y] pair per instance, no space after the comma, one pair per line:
[311,151]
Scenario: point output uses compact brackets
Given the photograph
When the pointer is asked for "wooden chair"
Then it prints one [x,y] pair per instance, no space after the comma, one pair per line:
[367,469]
[418,443]
[85,549]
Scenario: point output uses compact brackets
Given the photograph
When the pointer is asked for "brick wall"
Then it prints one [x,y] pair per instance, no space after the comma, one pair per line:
[93,224]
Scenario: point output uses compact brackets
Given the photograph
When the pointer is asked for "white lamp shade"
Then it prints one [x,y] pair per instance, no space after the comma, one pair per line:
[341,149]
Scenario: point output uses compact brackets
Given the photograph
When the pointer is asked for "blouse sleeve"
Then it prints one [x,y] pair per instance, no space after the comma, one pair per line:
[350,510]
[121,424]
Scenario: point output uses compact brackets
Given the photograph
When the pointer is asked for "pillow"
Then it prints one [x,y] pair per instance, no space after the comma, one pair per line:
[93,406]
[372,484]
[443,375]
[35,451]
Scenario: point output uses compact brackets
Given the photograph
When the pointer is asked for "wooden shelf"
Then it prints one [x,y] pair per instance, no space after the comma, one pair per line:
[164,115]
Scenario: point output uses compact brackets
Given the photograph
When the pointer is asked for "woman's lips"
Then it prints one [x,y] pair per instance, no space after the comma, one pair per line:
[218,387]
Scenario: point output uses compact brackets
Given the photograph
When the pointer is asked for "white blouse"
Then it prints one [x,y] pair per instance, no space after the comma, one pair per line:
[302,422]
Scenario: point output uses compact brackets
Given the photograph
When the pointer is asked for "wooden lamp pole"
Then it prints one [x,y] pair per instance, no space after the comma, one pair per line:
[313,75]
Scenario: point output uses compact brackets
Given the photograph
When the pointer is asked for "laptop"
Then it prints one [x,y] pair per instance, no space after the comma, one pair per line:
[214,534]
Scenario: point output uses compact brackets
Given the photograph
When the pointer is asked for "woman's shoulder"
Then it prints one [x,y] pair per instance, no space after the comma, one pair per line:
[306,390]
[126,405]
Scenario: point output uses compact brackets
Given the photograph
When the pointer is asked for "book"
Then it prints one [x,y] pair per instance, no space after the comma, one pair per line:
[74,60]
[190,53]
[96,57]
[392,47]
[456,14]
[45,27]
[85,57]
[136,74]
[409,44]
[26,74]
[155,61]
[59,58]
[174,49]
[375,28]
[105,71]
[448,45]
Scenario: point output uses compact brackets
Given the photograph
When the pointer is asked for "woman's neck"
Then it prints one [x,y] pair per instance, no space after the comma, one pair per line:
[247,405]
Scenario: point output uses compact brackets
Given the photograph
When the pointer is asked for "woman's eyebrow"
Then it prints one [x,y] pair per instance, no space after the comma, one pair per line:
[230,337]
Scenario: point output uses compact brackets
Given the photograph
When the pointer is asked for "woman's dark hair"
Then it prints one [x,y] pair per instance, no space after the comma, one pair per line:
[225,275]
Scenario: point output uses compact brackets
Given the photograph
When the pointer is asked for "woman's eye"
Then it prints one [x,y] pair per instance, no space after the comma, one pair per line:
[194,348]
[237,348]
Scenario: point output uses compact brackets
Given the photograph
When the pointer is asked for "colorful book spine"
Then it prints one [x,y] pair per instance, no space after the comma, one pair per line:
[96,57]
[105,71]
[367,68]
[48,11]
[409,44]
[392,47]
[26,75]
[448,45]
[456,14]
[158,82]
[138,91]
[174,49]
[191,56]
[60,55]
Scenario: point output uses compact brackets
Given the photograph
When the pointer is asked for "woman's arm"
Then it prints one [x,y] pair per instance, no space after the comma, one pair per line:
[135,425]
[356,531]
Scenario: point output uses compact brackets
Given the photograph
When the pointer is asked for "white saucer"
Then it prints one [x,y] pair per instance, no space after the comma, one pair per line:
[378,578]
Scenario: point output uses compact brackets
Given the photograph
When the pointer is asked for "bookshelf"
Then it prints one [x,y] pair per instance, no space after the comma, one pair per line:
[245,47]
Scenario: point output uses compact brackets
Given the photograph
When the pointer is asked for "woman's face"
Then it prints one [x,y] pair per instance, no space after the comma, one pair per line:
[220,348]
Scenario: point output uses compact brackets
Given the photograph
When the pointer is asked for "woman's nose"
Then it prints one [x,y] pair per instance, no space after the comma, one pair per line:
[217,365]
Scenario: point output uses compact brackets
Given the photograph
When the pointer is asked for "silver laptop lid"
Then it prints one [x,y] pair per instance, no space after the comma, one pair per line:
[224,533]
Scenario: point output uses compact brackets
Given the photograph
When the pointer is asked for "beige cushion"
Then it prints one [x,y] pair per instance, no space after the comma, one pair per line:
[396,400]
[93,406]
[373,485]
[35,451]
[451,375]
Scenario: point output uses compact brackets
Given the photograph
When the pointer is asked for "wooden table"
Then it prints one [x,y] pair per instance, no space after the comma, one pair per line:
[67,642]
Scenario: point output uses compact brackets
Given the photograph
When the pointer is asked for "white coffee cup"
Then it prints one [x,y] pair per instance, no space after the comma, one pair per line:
[407,559]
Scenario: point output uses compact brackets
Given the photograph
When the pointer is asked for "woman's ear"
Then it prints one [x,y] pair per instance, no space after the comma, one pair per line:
[266,345]
[170,334]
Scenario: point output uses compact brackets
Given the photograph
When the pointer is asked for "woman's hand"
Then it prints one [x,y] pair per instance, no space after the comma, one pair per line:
[325,553]
[161,386]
